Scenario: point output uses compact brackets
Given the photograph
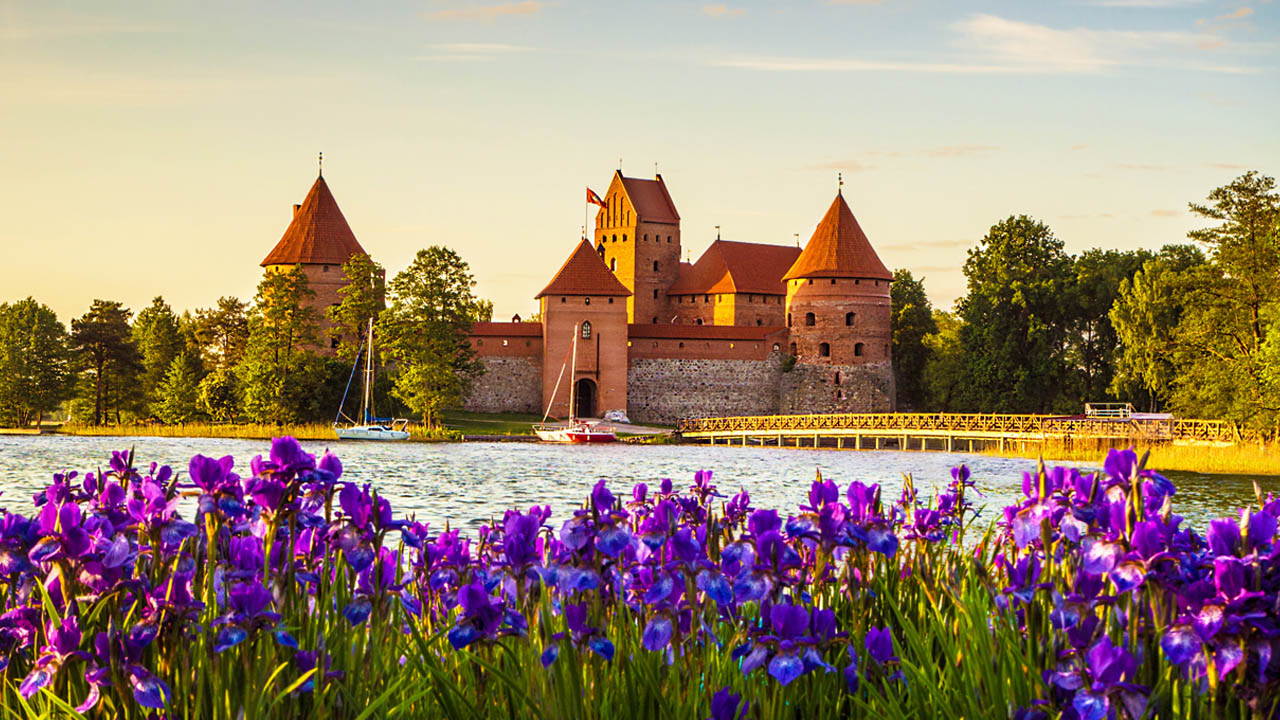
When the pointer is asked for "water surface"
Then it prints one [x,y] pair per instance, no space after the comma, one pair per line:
[468,483]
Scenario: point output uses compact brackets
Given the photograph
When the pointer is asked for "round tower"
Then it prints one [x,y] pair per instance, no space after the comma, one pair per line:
[838,308]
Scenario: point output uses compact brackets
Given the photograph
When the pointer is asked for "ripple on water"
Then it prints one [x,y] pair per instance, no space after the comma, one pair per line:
[468,483]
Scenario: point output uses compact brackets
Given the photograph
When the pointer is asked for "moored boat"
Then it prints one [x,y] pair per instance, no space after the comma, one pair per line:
[368,427]
[576,431]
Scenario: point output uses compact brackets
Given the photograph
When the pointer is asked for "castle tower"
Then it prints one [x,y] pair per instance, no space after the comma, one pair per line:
[320,240]
[637,234]
[838,307]
[584,300]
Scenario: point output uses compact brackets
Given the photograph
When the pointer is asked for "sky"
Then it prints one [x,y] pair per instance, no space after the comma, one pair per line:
[157,148]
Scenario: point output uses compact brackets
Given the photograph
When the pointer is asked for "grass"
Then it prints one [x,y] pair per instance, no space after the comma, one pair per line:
[478,423]
[244,431]
[1245,459]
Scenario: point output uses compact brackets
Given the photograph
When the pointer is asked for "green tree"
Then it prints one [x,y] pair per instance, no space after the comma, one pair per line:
[283,331]
[157,334]
[1014,329]
[1222,367]
[1092,343]
[944,364]
[222,332]
[482,310]
[363,298]
[218,395]
[110,363]
[35,372]
[912,322]
[424,333]
[177,396]
[1145,316]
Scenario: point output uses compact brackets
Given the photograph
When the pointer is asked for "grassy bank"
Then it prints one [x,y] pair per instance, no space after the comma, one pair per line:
[476,423]
[246,431]
[1246,459]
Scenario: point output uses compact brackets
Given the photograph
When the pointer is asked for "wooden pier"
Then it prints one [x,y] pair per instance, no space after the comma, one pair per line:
[951,432]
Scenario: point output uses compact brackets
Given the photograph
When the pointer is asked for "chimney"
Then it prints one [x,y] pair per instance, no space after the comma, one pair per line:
[296,208]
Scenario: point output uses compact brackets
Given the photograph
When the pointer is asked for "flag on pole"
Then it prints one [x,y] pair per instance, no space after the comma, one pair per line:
[593,198]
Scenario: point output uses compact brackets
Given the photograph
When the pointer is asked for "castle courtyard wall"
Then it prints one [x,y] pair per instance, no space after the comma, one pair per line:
[510,383]
[663,390]
[809,388]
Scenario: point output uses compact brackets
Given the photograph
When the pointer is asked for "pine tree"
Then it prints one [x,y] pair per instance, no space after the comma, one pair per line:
[177,396]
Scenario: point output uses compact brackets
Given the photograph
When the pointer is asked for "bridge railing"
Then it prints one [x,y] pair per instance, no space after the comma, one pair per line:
[1007,425]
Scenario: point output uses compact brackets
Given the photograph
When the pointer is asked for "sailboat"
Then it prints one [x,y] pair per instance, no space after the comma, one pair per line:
[367,427]
[576,430]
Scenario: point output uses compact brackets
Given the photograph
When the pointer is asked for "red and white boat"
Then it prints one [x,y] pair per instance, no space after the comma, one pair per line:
[575,431]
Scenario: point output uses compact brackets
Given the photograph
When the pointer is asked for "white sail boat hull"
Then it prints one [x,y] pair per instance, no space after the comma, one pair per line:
[369,432]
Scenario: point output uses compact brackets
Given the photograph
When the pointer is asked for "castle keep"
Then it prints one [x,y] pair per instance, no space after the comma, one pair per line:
[748,329]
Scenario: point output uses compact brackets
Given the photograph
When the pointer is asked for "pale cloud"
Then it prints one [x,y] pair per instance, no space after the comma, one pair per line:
[13,30]
[1146,3]
[472,51]
[1146,167]
[1239,14]
[1228,166]
[928,245]
[1166,213]
[722,10]
[489,12]
[849,166]
[993,45]
[1081,146]
[959,150]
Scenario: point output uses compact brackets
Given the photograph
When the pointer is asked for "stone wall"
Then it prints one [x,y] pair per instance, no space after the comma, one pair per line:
[663,390]
[809,388]
[509,384]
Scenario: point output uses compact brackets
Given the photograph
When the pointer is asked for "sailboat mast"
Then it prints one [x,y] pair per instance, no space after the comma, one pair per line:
[573,377]
[366,405]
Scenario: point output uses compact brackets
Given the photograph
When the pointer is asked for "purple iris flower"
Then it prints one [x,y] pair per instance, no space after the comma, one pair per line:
[250,604]
[63,536]
[482,616]
[728,706]
[879,643]
[64,645]
[209,474]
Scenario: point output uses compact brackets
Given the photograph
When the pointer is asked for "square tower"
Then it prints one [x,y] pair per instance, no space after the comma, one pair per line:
[637,234]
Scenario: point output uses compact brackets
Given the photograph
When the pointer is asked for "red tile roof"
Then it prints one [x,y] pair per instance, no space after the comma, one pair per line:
[736,267]
[319,234]
[838,248]
[651,200]
[584,273]
[507,329]
[703,332]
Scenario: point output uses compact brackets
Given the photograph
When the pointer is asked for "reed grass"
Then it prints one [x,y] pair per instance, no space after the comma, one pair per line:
[243,431]
[1243,459]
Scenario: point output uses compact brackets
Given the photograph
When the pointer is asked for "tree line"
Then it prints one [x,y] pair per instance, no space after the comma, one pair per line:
[258,362]
[1190,328]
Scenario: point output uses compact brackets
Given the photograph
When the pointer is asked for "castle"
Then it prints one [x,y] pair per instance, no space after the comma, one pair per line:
[748,329]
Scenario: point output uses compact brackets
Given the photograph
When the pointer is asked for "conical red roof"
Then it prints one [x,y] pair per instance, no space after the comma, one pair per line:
[838,248]
[319,234]
[584,273]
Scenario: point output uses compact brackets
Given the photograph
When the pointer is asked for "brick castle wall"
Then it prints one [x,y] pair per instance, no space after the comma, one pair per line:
[866,387]
[663,390]
[510,384]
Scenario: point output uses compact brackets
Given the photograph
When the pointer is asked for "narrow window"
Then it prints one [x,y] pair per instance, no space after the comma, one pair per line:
[788,319]
[655,293]
[610,301]
[586,330]
[668,238]
[759,322]
[326,268]
[833,281]
[655,266]
[504,343]
[587,301]
[810,281]
[655,319]
[848,318]
[857,349]
[824,349]
[615,238]
[681,344]
[624,237]
[601,251]
[562,300]
[706,299]
[793,349]
[857,282]
[776,348]
[810,319]
[613,263]
[837,377]
[699,321]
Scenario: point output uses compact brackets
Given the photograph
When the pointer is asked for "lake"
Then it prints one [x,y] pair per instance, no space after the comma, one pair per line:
[468,483]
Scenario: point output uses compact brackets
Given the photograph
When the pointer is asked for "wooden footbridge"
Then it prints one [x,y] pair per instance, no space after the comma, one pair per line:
[953,431]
